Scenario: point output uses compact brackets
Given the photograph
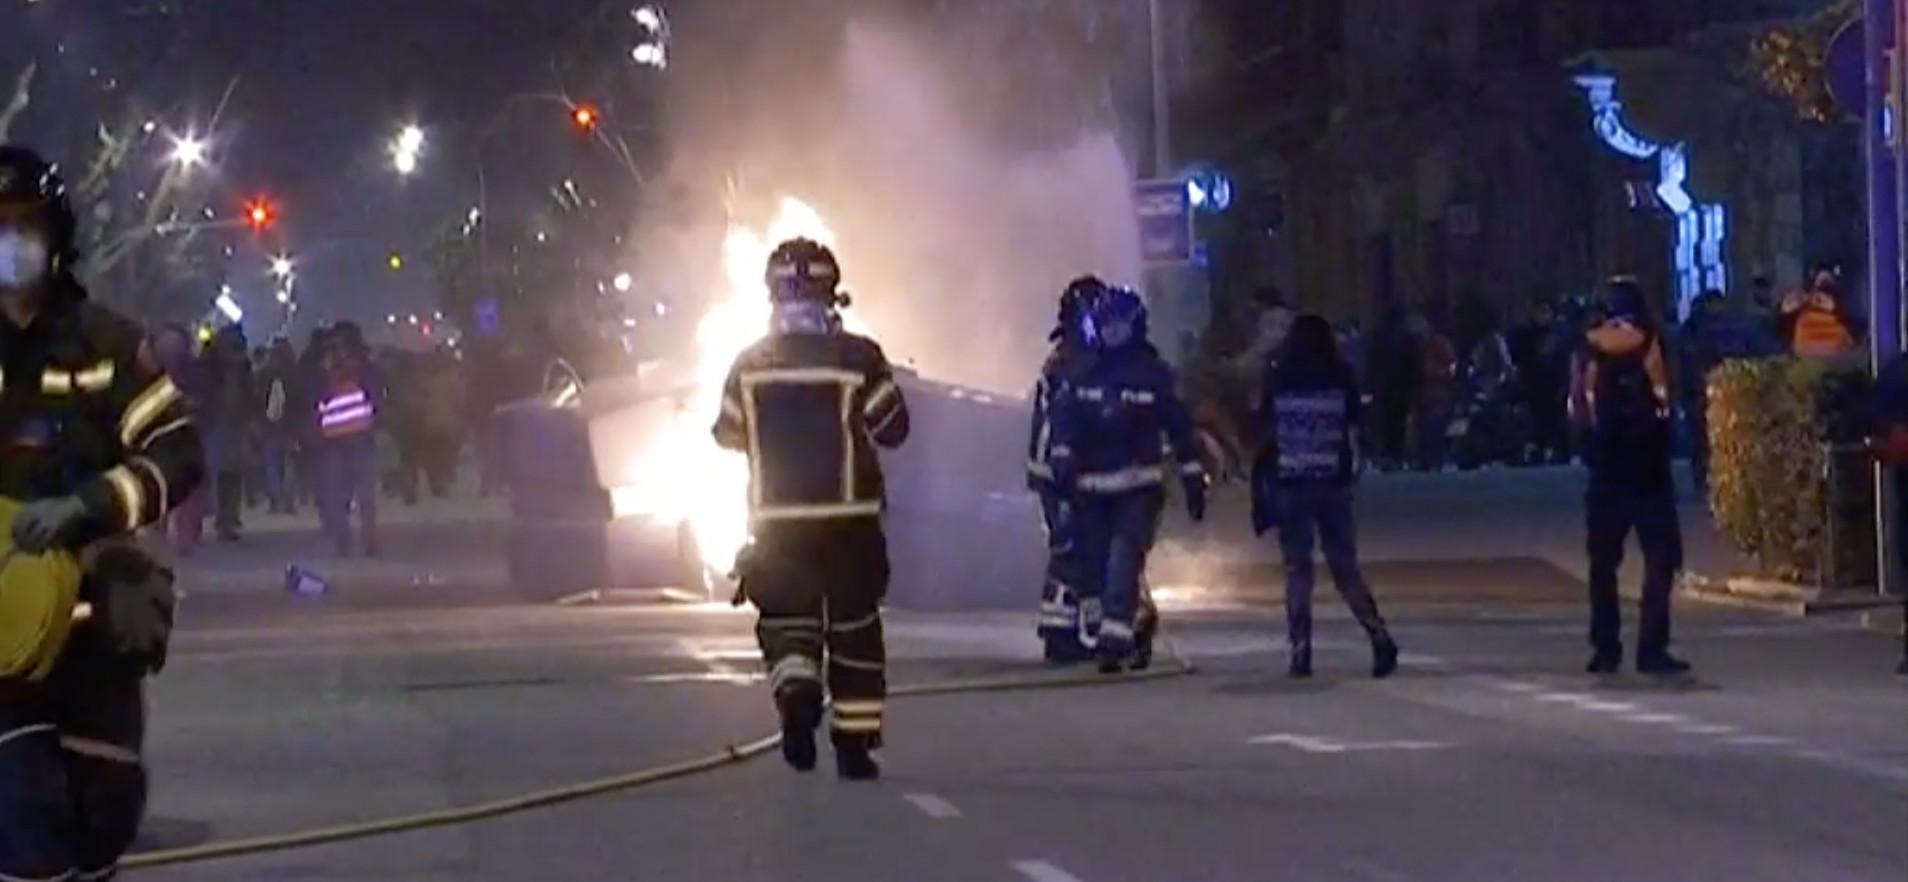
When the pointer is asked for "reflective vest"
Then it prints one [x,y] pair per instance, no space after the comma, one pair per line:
[1819,331]
[347,411]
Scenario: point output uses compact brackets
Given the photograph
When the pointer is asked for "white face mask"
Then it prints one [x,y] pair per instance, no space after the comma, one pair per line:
[23,259]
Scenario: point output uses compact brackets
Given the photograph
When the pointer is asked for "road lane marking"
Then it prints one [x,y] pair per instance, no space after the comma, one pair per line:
[1569,698]
[1318,744]
[1609,707]
[1707,729]
[933,806]
[1656,719]
[1758,741]
[1041,871]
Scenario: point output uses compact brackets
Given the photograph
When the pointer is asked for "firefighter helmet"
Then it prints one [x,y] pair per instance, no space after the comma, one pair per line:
[803,270]
[26,177]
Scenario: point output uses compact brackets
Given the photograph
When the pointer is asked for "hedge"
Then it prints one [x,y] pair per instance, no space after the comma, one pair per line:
[1774,426]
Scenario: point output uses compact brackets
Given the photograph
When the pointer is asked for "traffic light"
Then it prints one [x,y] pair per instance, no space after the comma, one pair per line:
[259,214]
[584,116]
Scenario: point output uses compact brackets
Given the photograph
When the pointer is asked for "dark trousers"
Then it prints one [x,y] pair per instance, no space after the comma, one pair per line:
[1113,533]
[1611,513]
[72,790]
[1317,516]
[348,482]
[818,586]
[1059,623]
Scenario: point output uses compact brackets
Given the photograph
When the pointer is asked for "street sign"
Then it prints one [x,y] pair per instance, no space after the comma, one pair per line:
[1164,211]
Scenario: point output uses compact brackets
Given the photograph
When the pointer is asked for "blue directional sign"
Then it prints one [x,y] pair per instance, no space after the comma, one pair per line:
[1165,213]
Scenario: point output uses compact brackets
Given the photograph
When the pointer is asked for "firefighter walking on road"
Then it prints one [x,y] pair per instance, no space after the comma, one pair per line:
[1109,418]
[809,404]
[95,443]
[1065,633]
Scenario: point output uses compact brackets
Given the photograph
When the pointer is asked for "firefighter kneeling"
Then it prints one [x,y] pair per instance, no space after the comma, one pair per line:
[808,404]
[95,442]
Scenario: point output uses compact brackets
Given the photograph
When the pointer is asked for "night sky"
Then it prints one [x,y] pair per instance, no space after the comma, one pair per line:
[323,84]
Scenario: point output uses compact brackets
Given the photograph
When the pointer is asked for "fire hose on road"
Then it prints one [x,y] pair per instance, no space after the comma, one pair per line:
[1171,665]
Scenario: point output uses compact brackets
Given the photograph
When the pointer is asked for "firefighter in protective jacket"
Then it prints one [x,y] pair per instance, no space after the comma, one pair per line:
[97,444]
[809,404]
[1110,417]
[1064,634]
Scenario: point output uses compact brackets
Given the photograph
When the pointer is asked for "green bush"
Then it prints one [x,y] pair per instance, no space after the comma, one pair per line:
[1780,490]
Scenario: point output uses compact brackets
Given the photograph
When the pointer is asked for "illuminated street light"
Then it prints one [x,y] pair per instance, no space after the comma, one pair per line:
[188,152]
[651,55]
[404,163]
[622,282]
[410,140]
[649,17]
[281,266]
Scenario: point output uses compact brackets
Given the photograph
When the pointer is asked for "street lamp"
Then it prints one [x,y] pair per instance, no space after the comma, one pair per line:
[406,149]
[281,266]
[654,50]
[188,151]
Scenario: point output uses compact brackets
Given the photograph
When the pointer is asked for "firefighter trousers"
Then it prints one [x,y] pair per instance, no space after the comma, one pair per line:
[72,788]
[818,586]
[1115,535]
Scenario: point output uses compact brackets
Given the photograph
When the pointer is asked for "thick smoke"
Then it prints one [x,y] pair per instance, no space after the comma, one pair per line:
[968,243]
[961,207]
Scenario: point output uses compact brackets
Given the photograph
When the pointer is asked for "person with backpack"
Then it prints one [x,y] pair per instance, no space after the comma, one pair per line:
[1620,400]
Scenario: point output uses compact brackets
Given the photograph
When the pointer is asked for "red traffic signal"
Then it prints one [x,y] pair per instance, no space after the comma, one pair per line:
[259,214]
[584,116]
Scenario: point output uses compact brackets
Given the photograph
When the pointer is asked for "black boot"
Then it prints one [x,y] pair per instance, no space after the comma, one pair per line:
[1605,661]
[801,710]
[1661,664]
[1384,656]
[855,762]
[1299,662]
[1142,657]
[1111,661]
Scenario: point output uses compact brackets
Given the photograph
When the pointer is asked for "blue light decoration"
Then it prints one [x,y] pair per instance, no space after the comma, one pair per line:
[1700,254]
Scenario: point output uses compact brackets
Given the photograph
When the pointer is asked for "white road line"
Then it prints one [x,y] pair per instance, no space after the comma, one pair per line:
[1041,871]
[1758,741]
[1707,729]
[1609,707]
[1517,686]
[1656,719]
[932,806]
[1569,698]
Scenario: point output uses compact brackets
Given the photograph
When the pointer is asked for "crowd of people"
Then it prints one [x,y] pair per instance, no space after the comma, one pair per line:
[332,426]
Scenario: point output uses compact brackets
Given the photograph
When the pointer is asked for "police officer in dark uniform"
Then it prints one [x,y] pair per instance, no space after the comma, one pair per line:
[809,404]
[1115,418]
[98,444]
[1620,398]
[1064,634]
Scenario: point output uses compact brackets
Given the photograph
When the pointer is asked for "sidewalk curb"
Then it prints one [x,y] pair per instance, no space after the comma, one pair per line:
[1799,601]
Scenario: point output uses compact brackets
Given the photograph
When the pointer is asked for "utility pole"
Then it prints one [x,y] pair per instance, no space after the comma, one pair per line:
[1162,94]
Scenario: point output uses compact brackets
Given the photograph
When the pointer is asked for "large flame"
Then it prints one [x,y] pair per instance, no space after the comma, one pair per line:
[717,507]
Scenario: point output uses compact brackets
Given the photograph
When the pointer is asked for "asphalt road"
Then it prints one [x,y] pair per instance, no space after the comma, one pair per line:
[1488,758]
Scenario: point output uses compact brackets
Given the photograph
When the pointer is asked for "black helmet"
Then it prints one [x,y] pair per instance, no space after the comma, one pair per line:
[26,176]
[1080,294]
[803,270]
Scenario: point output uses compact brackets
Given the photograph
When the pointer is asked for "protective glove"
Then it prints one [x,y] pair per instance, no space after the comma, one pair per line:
[135,603]
[1195,498]
[41,524]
